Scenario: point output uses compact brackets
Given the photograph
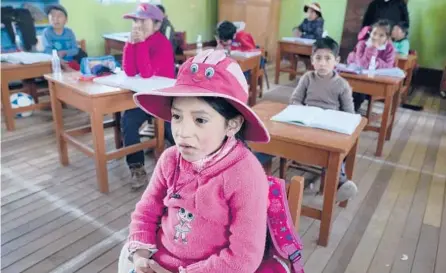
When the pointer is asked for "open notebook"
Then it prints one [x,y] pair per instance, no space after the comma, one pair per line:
[136,84]
[245,54]
[299,40]
[25,57]
[354,69]
[331,120]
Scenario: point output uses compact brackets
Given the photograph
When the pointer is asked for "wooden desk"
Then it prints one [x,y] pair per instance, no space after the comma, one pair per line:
[311,146]
[246,64]
[115,41]
[381,87]
[97,100]
[16,72]
[292,48]
[408,64]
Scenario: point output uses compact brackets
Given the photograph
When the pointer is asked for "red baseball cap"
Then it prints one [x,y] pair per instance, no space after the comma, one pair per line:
[146,11]
[209,74]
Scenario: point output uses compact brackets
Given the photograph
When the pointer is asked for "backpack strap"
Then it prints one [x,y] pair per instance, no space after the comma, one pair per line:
[286,241]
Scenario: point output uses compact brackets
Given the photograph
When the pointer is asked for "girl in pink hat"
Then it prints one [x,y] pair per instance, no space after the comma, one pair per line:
[205,209]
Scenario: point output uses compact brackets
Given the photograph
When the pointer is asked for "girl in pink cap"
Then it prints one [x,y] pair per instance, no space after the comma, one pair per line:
[147,53]
[205,209]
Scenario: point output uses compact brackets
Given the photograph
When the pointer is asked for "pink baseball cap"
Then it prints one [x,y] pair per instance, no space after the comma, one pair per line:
[209,74]
[146,11]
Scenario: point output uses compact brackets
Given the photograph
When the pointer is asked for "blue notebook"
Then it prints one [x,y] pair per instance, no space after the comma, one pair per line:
[331,120]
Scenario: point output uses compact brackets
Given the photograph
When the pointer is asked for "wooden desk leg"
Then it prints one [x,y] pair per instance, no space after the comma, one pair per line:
[349,167]
[100,158]
[388,102]
[56,109]
[159,134]
[107,48]
[117,129]
[331,183]
[278,60]
[253,86]
[293,61]
[396,103]
[6,105]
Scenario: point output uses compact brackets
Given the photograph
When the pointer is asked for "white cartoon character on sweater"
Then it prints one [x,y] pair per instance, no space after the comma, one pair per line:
[183,228]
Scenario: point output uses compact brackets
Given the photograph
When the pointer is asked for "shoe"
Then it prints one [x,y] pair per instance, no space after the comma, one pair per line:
[346,191]
[138,177]
[148,130]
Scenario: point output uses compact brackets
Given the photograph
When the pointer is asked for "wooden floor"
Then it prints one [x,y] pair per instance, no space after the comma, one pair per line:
[55,220]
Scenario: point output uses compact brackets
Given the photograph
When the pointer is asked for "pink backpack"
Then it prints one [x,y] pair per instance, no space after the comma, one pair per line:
[286,244]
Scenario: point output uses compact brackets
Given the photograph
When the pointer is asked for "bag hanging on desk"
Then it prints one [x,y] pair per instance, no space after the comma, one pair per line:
[98,66]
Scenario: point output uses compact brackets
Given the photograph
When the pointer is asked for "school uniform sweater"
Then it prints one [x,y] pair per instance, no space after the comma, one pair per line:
[402,47]
[63,42]
[332,93]
[218,223]
[243,41]
[153,56]
[312,29]
[385,57]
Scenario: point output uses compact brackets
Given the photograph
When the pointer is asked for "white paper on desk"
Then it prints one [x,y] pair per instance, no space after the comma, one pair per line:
[25,57]
[331,120]
[351,68]
[120,36]
[299,40]
[390,72]
[245,54]
[136,84]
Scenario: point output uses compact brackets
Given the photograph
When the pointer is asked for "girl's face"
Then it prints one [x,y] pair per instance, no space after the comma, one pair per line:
[147,26]
[398,33]
[378,36]
[198,129]
[311,14]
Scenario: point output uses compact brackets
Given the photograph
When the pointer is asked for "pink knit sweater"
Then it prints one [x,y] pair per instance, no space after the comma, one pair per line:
[219,222]
[363,54]
[154,56]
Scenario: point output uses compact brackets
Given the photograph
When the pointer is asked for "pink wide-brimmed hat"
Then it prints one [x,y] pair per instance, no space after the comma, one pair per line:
[146,11]
[209,74]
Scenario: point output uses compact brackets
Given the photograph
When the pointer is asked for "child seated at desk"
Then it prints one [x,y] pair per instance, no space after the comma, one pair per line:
[313,26]
[399,37]
[147,53]
[229,37]
[59,37]
[377,46]
[326,89]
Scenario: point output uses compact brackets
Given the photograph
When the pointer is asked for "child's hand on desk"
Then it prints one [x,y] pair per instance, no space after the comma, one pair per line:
[61,53]
[297,33]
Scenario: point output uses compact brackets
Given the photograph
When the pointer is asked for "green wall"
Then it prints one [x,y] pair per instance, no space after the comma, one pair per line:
[89,19]
[427,33]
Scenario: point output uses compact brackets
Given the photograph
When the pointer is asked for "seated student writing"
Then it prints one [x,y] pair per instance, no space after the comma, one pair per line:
[59,37]
[205,208]
[399,38]
[313,26]
[377,46]
[326,89]
[229,37]
[147,53]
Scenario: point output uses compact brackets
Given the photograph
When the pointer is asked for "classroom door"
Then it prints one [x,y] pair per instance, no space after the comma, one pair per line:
[352,25]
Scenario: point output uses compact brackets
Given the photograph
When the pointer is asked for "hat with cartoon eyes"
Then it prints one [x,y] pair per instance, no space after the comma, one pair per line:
[209,74]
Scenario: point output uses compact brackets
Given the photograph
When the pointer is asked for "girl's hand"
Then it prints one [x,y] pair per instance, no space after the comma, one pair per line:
[157,268]
[297,33]
[136,36]
[141,263]
[61,53]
